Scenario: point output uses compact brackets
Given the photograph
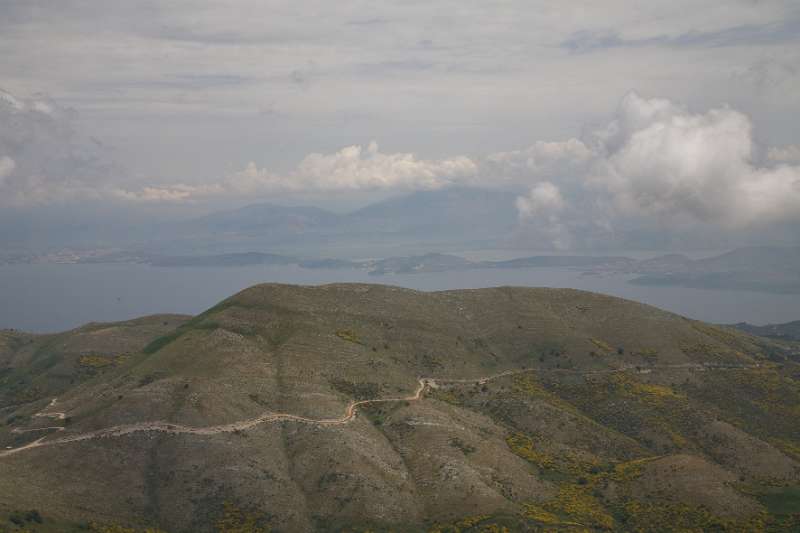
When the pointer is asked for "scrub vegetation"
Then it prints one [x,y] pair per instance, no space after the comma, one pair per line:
[502,409]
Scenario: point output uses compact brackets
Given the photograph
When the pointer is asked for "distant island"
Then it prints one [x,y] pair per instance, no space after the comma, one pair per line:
[789,331]
[762,268]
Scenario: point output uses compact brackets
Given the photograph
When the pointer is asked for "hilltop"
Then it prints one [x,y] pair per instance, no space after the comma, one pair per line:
[506,407]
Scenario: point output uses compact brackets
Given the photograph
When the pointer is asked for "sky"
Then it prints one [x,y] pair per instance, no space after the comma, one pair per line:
[599,114]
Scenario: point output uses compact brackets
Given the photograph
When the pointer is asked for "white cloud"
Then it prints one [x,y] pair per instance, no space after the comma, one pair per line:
[11,102]
[357,168]
[178,193]
[543,159]
[7,166]
[657,158]
[544,198]
[656,162]
[773,80]
[42,158]
[446,75]
[544,205]
[785,154]
[352,168]
[38,104]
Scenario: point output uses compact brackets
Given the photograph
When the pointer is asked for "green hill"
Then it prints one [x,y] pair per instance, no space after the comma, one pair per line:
[525,409]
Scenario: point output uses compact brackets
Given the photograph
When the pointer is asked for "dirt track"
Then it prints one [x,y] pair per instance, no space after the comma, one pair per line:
[349,415]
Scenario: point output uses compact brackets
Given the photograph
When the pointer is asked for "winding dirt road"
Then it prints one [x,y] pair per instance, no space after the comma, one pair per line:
[268,417]
[171,428]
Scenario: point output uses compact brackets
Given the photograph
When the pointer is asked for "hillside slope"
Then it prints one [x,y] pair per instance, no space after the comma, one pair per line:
[506,407]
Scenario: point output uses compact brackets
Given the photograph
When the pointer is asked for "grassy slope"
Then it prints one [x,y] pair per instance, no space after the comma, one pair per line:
[555,447]
[33,367]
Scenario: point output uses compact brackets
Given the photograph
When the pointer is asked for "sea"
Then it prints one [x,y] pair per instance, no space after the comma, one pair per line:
[55,297]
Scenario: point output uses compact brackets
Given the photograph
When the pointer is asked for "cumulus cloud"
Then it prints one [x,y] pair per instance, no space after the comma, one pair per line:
[42,158]
[658,158]
[353,168]
[785,154]
[654,162]
[545,204]
[357,167]
[7,166]
[544,198]
[177,193]
[362,168]
[658,161]
[543,159]
[775,80]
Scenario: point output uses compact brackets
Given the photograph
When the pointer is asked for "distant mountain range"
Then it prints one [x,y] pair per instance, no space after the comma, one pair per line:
[447,221]
[455,216]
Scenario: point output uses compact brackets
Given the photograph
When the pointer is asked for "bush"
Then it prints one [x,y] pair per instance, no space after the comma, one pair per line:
[348,335]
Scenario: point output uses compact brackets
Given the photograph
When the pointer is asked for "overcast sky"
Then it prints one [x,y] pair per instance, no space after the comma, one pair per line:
[679,111]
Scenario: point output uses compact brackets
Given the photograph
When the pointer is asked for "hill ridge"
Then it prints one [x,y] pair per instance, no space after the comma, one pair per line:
[397,410]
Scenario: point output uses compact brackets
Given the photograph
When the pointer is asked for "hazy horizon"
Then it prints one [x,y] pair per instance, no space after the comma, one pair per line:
[138,133]
[444,266]
[611,124]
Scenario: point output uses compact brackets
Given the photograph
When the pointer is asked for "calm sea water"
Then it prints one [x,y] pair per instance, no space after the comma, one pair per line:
[53,297]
